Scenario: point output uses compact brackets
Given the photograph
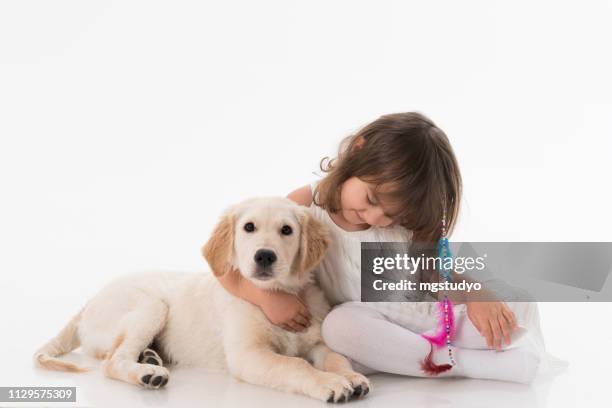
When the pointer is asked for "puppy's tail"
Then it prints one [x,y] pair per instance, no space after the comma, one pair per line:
[66,341]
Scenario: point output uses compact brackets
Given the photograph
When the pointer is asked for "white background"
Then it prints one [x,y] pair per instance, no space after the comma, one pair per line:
[127,127]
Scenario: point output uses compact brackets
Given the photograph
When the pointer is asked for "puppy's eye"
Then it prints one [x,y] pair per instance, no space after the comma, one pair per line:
[286,230]
[249,227]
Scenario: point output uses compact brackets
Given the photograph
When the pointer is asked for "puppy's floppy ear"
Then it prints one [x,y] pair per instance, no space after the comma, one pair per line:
[219,250]
[314,240]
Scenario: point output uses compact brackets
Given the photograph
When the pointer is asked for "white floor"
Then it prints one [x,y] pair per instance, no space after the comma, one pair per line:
[193,387]
[30,318]
[31,314]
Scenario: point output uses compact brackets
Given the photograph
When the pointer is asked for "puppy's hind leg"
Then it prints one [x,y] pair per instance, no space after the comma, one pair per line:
[139,328]
[150,356]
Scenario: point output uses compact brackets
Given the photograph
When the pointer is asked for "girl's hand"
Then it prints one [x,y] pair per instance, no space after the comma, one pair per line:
[281,308]
[285,310]
[493,320]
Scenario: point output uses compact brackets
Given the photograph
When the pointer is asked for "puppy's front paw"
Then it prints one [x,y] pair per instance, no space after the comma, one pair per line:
[332,387]
[360,383]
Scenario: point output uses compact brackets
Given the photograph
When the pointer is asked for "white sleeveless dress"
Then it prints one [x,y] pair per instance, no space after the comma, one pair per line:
[339,275]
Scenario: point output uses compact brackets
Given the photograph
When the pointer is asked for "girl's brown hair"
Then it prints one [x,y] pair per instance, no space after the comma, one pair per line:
[409,151]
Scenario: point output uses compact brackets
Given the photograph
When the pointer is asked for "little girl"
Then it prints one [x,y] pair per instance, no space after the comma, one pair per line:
[393,181]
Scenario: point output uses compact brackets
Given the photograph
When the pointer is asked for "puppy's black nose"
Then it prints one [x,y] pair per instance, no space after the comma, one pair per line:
[264,257]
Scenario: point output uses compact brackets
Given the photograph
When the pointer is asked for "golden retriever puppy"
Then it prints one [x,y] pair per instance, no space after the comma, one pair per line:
[192,319]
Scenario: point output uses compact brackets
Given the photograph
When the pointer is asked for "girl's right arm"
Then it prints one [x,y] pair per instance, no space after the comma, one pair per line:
[282,309]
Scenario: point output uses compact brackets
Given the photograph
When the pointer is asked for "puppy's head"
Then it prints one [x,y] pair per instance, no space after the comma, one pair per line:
[272,241]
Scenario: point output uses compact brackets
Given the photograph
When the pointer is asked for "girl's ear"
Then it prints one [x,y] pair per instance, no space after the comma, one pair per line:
[219,250]
[359,142]
[314,240]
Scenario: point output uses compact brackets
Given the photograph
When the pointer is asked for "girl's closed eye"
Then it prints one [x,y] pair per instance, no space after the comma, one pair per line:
[389,220]
[370,200]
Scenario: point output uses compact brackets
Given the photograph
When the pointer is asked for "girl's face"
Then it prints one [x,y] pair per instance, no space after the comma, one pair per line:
[361,208]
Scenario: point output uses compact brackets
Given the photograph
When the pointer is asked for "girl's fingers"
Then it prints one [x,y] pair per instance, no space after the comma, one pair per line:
[487,334]
[303,310]
[299,319]
[496,333]
[509,314]
[505,328]
[305,315]
[296,326]
[286,327]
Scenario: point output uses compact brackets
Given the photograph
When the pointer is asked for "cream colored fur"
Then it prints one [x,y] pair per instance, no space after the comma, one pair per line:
[195,321]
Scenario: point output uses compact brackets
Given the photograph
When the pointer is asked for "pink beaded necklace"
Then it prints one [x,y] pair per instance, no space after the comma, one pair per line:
[446,317]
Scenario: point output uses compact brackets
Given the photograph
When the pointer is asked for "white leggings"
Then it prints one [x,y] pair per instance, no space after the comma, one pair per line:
[376,344]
